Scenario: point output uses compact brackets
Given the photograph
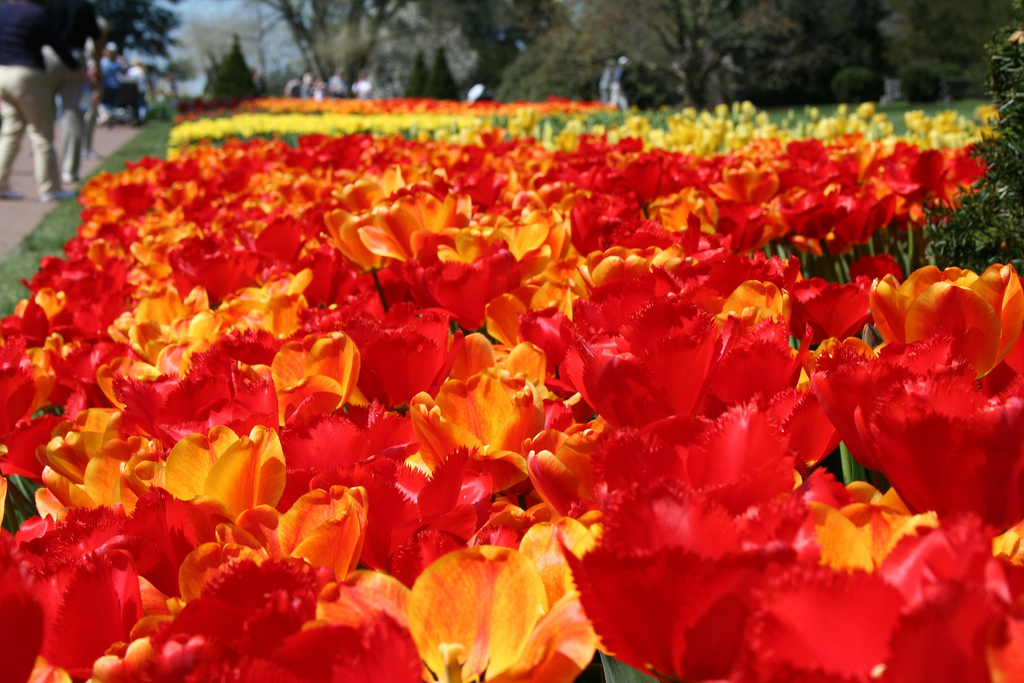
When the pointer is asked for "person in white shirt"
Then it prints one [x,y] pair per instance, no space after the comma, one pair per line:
[137,74]
[336,85]
[362,87]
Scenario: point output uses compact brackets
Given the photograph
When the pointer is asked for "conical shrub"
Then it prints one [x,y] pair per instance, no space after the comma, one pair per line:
[417,85]
[441,85]
[233,78]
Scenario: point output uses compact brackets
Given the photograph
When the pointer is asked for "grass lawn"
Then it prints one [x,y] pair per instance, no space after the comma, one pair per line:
[894,112]
[60,225]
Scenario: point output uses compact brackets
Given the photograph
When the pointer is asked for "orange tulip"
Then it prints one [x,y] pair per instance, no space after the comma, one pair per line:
[543,543]
[755,301]
[44,672]
[318,374]
[982,313]
[326,528]
[83,461]
[343,230]
[396,231]
[484,612]
[494,416]
[747,183]
[862,534]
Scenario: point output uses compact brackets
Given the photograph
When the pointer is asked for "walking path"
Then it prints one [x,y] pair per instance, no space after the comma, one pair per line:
[20,217]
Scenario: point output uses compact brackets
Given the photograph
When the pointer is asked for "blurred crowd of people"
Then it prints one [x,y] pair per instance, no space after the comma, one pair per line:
[55,62]
[311,87]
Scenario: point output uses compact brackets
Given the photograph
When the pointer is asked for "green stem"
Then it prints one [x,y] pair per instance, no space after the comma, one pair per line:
[910,252]
[380,291]
[852,470]
[21,502]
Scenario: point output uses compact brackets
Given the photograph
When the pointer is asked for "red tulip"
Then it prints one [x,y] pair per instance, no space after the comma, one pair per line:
[403,354]
[923,421]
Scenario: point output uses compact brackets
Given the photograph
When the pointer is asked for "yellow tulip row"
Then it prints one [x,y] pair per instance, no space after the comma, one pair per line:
[726,128]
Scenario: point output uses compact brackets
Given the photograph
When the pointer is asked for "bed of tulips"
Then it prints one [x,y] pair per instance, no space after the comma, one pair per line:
[376,409]
[557,124]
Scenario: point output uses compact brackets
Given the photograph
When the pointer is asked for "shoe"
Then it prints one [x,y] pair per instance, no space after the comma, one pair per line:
[57,196]
[69,179]
[11,194]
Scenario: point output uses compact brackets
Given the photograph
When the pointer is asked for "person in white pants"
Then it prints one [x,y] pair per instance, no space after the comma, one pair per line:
[90,104]
[77,23]
[26,100]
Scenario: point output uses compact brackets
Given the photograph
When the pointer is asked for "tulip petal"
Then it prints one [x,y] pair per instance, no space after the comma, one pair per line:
[486,599]
[208,561]
[250,473]
[561,646]
[964,315]
[326,528]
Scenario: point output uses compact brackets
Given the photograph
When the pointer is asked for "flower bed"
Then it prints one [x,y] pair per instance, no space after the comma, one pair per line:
[365,405]
[559,124]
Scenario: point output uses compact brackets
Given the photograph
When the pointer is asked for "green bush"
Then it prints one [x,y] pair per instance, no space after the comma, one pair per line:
[417,85]
[233,78]
[161,110]
[984,226]
[958,84]
[647,87]
[856,84]
[555,66]
[921,82]
[440,84]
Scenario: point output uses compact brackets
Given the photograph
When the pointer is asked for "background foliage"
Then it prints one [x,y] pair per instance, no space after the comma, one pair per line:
[234,79]
[681,52]
[986,227]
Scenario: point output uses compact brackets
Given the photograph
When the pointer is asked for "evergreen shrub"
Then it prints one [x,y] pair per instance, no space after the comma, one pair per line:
[985,226]
[855,84]
[234,79]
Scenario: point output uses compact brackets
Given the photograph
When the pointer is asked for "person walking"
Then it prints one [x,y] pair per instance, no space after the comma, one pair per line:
[90,104]
[77,23]
[111,72]
[604,86]
[26,100]
[362,87]
[138,75]
[617,95]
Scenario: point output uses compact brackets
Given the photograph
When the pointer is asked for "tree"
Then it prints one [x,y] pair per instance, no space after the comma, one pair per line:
[945,32]
[333,33]
[417,84]
[792,49]
[559,64]
[142,27]
[440,84]
[203,43]
[234,79]
[499,30]
[699,37]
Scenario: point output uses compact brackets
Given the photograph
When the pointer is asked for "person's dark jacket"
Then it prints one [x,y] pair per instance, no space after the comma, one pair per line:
[75,20]
[24,29]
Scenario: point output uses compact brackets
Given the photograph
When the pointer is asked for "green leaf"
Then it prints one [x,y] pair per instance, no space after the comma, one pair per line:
[617,672]
[21,502]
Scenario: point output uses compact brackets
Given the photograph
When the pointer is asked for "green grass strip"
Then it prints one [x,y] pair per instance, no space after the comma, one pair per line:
[61,224]
[48,239]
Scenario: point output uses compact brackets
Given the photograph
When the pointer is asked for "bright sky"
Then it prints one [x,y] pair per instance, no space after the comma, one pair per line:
[203,7]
